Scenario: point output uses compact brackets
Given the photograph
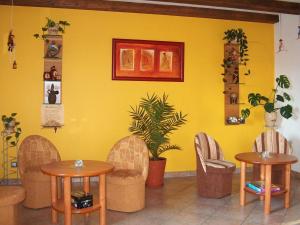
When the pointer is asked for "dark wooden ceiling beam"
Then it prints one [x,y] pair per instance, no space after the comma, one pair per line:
[148,9]
[258,5]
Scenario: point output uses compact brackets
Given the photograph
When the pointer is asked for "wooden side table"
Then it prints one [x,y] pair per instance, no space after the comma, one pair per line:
[266,167]
[67,170]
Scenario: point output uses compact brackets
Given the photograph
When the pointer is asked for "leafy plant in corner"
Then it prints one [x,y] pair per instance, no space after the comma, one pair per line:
[12,130]
[51,24]
[277,102]
[154,119]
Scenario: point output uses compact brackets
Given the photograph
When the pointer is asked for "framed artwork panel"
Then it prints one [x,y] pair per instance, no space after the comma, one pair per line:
[147,60]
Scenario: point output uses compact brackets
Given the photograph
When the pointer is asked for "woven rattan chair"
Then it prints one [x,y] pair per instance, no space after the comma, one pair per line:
[274,142]
[126,184]
[35,151]
[214,174]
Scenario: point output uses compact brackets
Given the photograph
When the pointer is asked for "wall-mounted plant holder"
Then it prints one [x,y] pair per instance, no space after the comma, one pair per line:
[235,57]
[232,84]
[52,110]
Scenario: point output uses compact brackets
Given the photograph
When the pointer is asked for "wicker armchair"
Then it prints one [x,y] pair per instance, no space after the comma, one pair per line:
[126,184]
[274,142]
[35,151]
[214,174]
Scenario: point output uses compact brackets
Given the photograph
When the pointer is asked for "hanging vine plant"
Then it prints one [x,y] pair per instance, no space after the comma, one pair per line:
[239,37]
[52,27]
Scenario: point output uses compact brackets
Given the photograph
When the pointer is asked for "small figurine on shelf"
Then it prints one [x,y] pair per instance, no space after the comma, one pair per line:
[52,95]
[53,73]
[15,65]
[233,98]
[298,32]
[11,42]
[235,76]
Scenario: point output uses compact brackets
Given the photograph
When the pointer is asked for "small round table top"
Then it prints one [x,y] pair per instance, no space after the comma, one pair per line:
[68,169]
[273,159]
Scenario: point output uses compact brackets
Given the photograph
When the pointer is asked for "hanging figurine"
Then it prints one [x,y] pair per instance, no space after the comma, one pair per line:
[15,64]
[281,45]
[11,42]
[298,32]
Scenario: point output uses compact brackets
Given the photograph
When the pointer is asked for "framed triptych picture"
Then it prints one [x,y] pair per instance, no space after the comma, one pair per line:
[147,60]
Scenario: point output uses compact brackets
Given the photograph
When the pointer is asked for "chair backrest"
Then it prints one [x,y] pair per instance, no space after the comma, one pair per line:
[272,141]
[130,153]
[207,148]
[35,151]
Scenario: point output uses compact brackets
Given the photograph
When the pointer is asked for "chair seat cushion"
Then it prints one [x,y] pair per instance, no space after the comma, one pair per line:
[35,174]
[11,195]
[219,165]
[124,177]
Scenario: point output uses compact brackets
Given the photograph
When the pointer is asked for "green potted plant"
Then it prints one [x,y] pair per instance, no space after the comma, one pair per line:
[153,120]
[11,131]
[277,102]
[52,27]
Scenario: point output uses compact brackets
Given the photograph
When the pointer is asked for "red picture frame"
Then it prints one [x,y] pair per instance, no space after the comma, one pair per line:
[147,60]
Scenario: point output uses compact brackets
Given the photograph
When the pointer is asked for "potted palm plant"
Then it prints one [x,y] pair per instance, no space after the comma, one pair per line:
[153,120]
[277,102]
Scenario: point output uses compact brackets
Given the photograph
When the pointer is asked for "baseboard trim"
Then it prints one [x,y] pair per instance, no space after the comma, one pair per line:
[180,174]
[174,174]
[10,182]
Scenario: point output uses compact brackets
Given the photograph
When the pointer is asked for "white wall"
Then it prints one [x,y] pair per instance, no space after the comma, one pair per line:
[288,62]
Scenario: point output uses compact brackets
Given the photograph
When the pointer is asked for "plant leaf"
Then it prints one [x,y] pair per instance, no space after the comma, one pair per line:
[245,113]
[8,138]
[286,96]
[269,107]
[254,99]
[283,81]
[279,98]
[286,111]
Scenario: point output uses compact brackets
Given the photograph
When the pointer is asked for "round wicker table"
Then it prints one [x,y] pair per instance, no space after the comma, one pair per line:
[266,174]
[67,170]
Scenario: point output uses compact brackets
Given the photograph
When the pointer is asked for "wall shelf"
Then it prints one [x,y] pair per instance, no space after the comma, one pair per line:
[232,84]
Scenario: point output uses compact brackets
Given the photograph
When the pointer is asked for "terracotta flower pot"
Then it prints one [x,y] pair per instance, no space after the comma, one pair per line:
[156,173]
[270,119]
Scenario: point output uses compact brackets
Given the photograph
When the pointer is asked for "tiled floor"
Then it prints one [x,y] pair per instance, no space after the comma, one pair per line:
[177,203]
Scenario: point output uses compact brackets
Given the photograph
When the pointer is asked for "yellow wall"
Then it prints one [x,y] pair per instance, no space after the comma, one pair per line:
[96,108]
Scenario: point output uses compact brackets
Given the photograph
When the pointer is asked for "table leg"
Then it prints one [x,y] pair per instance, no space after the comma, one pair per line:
[262,177]
[86,187]
[67,201]
[53,199]
[102,200]
[287,185]
[267,208]
[243,183]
